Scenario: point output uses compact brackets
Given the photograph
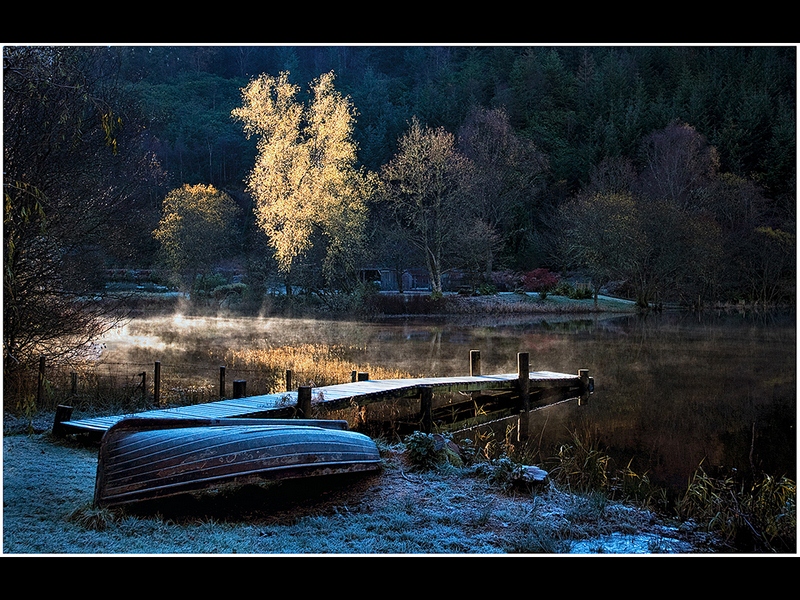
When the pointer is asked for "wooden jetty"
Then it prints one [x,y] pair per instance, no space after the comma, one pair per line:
[441,403]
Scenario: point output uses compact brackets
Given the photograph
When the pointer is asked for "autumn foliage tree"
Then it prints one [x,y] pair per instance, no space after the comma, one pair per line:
[196,230]
[311,198]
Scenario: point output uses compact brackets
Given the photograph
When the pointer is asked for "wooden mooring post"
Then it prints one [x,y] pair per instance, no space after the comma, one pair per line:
[524,384]
[63,413]
[288,380]
[587,386]
[474,363]
[239,388]
[524,379]
[426,408]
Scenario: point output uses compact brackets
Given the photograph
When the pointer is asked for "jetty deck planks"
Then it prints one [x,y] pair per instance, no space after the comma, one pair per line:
[336,396]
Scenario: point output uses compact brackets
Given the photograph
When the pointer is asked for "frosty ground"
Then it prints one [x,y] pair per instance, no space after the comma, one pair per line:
[48,485]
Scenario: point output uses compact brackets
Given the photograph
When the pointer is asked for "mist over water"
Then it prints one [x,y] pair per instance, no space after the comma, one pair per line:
[671,390]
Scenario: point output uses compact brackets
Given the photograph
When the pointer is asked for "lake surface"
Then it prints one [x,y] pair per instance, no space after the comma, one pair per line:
[672,390]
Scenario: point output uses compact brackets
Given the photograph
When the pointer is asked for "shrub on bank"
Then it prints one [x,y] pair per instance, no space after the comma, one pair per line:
[540,280]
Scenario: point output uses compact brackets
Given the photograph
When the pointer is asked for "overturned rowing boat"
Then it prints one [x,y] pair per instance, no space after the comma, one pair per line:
[149,458]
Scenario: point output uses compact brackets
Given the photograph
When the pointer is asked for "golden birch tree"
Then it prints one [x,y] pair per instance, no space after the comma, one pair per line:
[308,191]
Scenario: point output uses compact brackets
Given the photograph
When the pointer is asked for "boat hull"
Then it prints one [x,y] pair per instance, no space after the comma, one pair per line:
[145,458]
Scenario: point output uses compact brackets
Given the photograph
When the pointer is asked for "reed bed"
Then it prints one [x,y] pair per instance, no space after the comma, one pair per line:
[316,365]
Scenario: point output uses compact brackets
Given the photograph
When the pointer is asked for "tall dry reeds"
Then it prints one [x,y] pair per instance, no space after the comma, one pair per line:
[311,364]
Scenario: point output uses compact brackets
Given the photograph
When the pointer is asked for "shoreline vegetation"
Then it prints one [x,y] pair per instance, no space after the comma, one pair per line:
[405,509]
[428,498]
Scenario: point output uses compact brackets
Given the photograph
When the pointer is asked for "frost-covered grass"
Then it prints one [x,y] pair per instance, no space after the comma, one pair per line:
[48,487]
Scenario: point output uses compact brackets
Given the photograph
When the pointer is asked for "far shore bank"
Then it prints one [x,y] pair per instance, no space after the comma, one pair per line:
[412,304]
[383,304]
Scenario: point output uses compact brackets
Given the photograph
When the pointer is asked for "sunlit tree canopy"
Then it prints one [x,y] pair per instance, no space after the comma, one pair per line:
[196,228]
[305,181]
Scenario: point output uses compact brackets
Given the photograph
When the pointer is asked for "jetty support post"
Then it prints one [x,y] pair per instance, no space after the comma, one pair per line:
[474,363]
[353,376]
[157,383]
[362,376]
[426,406]
[288,380]
[523,386]
[222,381]
[524,379]
[304,402]
[239,388]
[587,386]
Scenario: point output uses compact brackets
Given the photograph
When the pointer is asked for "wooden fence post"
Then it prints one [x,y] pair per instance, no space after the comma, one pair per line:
[222,381]
[157,383]
[474,362]
[288,380]
[239,388]
[426,406]
[143,374]
[524,375]
[304,402]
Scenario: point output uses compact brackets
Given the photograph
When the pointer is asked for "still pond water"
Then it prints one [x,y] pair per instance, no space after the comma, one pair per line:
[672,390]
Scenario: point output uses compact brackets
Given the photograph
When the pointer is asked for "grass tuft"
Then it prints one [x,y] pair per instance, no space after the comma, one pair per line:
[761,517]
[94,519]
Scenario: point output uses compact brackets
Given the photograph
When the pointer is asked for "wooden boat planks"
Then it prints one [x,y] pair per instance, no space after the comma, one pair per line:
[149,458]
